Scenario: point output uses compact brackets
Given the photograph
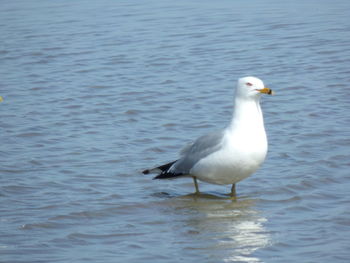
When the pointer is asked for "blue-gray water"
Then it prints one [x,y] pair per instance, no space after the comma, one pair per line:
[96,91]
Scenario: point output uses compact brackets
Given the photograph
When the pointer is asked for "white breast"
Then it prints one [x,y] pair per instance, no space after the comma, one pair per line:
[234,162]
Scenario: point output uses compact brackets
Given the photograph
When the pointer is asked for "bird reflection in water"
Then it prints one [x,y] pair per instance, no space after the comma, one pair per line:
[225,230]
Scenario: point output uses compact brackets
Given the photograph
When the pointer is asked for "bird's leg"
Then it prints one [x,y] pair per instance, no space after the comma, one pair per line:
[233,190]
[195,184]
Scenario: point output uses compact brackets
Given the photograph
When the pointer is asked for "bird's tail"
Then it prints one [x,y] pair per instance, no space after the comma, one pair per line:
[163,171]
[160,169]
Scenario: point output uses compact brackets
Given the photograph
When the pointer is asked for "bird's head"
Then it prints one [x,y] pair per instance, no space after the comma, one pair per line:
[251,87]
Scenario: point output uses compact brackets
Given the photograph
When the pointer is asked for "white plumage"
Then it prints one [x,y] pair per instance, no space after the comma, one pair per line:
[232,154]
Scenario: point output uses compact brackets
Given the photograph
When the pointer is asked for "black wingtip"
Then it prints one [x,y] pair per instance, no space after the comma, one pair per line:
[167,176]
[159,176]
[164,168]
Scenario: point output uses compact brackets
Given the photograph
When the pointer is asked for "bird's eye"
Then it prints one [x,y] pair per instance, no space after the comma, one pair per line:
[249,84]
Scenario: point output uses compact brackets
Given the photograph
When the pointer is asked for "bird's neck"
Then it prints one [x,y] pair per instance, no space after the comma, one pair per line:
[247,116]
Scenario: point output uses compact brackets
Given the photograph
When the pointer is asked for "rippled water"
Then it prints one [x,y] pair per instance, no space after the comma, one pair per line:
[96,91]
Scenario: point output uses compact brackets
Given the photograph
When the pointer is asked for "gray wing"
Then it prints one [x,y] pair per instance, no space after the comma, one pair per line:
[196,151]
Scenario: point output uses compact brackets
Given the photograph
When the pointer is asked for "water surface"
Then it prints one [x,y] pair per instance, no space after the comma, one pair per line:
[96,91]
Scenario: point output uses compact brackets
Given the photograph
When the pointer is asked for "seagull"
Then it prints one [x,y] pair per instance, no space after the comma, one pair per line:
[229,155]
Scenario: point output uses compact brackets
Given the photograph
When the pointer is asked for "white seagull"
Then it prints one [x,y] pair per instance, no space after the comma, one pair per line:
[229,155]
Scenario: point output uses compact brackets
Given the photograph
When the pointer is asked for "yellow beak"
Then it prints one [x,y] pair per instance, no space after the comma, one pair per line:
[266,90]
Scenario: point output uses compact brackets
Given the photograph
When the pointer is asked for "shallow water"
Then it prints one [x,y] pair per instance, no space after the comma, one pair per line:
[96,91]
